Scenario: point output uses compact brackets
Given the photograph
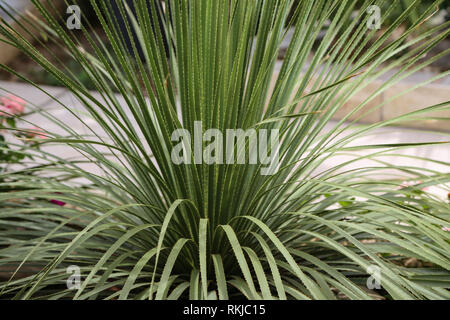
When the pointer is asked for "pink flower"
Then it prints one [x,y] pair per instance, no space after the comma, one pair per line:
[36,132]
[58,202]
[406,184]
[446,228]
[4,112]
[11,105]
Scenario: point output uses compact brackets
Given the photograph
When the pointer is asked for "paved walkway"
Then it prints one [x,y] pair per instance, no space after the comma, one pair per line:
[16,5]
[378,136]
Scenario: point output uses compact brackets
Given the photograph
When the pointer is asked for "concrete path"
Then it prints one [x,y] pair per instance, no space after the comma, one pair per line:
[15,5]
[378,136]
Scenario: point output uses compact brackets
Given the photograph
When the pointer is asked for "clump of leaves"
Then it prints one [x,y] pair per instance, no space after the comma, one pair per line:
[146,228]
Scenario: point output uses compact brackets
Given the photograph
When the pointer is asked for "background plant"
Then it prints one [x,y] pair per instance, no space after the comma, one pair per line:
[11,108]
[148,229]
